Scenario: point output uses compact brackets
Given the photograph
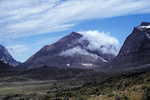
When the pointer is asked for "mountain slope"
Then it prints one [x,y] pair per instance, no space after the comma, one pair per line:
[5,67]
[135,51]
[71,51]
[6,57]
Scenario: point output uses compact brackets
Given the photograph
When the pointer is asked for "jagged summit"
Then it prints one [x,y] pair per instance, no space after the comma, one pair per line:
[6,57]
[137,41]
[70,37]
[75,34]
[136,48]
[144,26]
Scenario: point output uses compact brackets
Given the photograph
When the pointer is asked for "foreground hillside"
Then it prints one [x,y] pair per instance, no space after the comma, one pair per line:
[118,86]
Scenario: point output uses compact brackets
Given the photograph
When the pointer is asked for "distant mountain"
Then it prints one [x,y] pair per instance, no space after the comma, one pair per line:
[6,57]
[70,52]
[135,51]
[5,67]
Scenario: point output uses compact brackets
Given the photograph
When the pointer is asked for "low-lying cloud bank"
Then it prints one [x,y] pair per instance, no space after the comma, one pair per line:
[77,50]
[100,42]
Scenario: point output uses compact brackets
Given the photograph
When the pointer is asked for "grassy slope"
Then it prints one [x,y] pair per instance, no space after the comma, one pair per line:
[128,87]
[110,83]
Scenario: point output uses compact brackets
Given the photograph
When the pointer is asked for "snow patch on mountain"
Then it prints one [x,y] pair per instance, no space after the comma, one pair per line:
[143,27]
[68,65]
[86,64]
[148,35]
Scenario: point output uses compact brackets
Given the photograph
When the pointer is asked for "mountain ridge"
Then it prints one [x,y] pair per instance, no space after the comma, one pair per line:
[70,51]
[136,48]
[5,67]
[6,57]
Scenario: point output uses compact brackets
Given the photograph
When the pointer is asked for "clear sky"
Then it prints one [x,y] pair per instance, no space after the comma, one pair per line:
[27,25]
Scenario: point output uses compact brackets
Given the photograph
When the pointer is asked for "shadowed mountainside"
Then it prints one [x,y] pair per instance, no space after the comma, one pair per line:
[68,52]
[135,51]
[6,57]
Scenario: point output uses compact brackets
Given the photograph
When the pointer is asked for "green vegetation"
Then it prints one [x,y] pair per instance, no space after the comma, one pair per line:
[124,87]
[146,94]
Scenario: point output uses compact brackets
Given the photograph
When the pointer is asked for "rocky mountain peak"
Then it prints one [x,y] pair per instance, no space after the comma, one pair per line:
[71,37]
[73,51]
[75,34]
[4,51]
[138,40]
[135,48]
[6,57]
[145,24]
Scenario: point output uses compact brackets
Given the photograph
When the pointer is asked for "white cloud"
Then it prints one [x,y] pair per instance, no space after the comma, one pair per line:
[77,50]
[17,50]
[21,18]
[101,42]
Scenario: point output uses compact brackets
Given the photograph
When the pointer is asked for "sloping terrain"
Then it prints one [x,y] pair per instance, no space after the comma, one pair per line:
[53,73]
[135,51]
[127,77]
[5,67]
[70,52]
[118,85]
[6,57]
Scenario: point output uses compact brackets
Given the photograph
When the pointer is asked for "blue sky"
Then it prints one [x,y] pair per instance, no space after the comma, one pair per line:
[28,25]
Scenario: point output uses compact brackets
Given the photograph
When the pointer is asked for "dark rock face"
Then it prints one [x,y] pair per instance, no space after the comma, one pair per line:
[5,67]
[6,57]
[136,48]
[68,52]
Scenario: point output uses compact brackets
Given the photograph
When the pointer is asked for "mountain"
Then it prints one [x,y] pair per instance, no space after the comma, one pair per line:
[72,52]
[135,51]
[5,67]
[6,57]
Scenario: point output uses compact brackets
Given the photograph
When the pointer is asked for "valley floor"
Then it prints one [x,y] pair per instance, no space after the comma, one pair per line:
[123,87]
